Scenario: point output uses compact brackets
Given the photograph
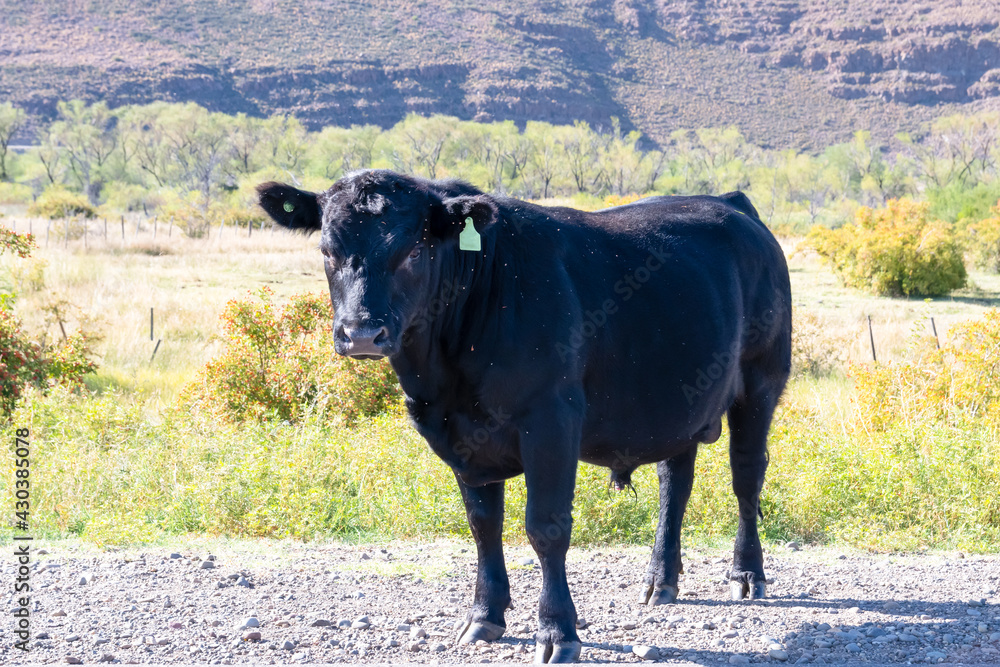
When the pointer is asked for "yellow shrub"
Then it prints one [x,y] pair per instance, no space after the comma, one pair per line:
[957,384]
[983,241]
[620,200]
[58,202]
[894,251]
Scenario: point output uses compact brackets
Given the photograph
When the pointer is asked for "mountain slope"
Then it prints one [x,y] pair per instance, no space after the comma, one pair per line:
[789,73]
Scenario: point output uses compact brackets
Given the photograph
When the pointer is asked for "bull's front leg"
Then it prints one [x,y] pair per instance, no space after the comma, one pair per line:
[676,480]
[484,509]
[550,442]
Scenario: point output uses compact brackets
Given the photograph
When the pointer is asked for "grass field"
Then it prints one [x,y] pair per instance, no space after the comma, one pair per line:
[123,464]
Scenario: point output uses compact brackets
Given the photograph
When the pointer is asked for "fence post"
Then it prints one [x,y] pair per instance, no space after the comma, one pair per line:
[871,337]
[937,341]
[123,229]
[154,227]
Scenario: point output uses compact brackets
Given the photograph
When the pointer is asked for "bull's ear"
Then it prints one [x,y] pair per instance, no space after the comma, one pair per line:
[449,221]
[290,207]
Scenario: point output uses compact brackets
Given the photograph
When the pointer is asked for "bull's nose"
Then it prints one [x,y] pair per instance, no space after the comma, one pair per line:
[366,342]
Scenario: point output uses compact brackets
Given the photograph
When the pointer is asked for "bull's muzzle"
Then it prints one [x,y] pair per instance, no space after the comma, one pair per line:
[365,342]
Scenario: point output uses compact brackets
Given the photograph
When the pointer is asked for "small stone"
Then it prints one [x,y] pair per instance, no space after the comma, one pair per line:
[72,660]
[853,648]
[793,546]
[42,635]
[162,641]
[730,634]
[242,581]
[167,604]
[645,621]
[365,557]
[287,646]
[629,625]
[982,627]
[320,623]
[106,657]
[936,656]
[361,623]
[646,652]
[344,623]
[251,636]
[413,647]
[737,659]
[823,627]
[59,613]
[209,557]
[175,556]
[72,638]
[778,654]
[248,622]
[42,552]
[891,606]
[176,626]
[83,582]
[995,637]
[417,633]
[207,565]
[405,627]
[973,612]
[527,561]
[234,576]
[437,648]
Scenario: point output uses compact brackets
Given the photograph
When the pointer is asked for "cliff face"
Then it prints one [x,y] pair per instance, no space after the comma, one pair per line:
[789,72]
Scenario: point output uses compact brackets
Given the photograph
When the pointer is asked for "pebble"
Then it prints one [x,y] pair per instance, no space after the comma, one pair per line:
[982,627]
[248,622]
[242,581]
[167,604]
[361,623]
[251,636]
[853,648]
[72,638]
[527,560]
[737,659]
[973,612]
[344,623]
[59,613]
[106,657]
[778,654]
[891,605]
[413,647]
[995,637]
[936,656]
[405,627]
[72,660]
[320,623]
[207,565]
[417,633]
[730,634]
[437,648]
[629,626]
[793,546]
[287,646]
[646,652]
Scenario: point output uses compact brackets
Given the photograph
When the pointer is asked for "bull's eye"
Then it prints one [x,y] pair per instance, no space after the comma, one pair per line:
[415,253]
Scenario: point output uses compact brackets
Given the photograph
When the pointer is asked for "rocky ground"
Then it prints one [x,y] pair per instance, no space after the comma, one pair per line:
[264,603]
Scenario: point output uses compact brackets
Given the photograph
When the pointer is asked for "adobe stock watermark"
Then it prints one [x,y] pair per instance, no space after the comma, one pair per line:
[706,377]
[474,441]
[626,288]
[435,308]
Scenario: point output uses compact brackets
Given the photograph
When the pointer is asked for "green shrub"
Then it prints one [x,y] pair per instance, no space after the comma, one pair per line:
[25,363]
[894,251]
[983,241]
[817,349]
[14,193]
[281,364]
[58,202]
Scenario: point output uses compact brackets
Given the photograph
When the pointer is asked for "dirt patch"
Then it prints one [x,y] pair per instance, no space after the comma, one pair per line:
[401,602]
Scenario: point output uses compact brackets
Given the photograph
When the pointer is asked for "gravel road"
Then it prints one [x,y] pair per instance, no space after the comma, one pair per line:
[260,602]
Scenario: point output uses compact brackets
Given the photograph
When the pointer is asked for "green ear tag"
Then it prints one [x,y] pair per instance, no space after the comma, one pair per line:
[469,238]
[288,206]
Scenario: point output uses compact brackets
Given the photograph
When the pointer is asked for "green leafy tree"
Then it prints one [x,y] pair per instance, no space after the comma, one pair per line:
[12,119]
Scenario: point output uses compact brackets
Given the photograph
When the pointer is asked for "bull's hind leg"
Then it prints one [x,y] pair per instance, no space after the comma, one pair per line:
[676,478]
[749,421]
[484,509]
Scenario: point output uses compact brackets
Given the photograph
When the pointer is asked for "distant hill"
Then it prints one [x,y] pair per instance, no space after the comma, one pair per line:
[790,73]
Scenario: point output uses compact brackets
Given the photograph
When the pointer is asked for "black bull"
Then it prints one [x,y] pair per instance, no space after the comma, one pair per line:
[619,337]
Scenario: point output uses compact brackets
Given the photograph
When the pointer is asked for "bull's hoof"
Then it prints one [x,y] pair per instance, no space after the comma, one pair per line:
[654,596]
[473,631]
[738,590]
[560,652]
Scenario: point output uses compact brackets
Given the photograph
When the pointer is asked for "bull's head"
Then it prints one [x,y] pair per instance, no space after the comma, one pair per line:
[383,239]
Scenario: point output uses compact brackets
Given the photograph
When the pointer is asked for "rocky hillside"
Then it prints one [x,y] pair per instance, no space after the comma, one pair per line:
[800,73]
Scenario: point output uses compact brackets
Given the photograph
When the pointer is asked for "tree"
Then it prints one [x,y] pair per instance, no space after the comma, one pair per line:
[11,121]
[88,136]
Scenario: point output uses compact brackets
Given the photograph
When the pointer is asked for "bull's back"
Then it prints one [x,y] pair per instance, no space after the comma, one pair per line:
[667,289]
